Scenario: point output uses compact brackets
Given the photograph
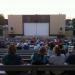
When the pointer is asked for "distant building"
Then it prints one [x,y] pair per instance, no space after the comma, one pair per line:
[36,25]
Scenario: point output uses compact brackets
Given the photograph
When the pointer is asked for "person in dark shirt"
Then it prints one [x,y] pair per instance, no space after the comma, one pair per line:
[70,61]
[12,59]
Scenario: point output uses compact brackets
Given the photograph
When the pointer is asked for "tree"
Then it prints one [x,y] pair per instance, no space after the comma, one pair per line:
[1,19]
[68,22]
[73,23]
[2,22]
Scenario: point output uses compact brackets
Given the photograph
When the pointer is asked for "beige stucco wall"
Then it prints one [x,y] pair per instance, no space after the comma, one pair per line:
[57,21]
[15,21]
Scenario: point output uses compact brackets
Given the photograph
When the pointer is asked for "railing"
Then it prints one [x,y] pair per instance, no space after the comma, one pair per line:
[34,68]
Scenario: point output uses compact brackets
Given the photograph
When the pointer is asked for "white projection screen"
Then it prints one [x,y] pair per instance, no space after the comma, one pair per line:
[43,29]
[39,29]
[29,29]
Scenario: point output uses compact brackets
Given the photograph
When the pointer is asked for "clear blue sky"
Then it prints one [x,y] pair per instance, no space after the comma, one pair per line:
[67,7]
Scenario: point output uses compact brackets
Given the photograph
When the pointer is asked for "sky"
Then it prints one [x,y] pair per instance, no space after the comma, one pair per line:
[24,7]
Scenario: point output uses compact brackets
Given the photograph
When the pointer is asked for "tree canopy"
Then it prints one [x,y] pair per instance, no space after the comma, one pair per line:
[68,21]
[2,19]
[2,22]
[73,23]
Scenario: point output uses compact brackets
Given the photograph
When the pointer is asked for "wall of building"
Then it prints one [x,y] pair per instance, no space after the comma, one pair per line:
[56,22]
[15,21]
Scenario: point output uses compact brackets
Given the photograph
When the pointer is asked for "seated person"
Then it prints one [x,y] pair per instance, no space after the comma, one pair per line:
[40,58]
[36,47]
[26,46]
[12,59]
[57,58]
[70,61]
[19,46]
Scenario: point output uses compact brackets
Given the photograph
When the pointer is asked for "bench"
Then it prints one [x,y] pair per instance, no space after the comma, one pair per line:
[35,68]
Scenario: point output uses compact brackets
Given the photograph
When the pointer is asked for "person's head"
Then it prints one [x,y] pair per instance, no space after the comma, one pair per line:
[46,46]
[57,50]
[51,45]
[61,46]
[43,51]
[12,49]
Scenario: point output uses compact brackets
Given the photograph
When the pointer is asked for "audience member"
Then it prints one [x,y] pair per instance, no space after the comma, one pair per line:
[57,58]
[50,49]
[40,58]
[12,59]
[70,61]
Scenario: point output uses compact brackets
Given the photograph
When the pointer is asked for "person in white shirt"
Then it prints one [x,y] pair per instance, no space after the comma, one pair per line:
[37,47]
[57,58]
